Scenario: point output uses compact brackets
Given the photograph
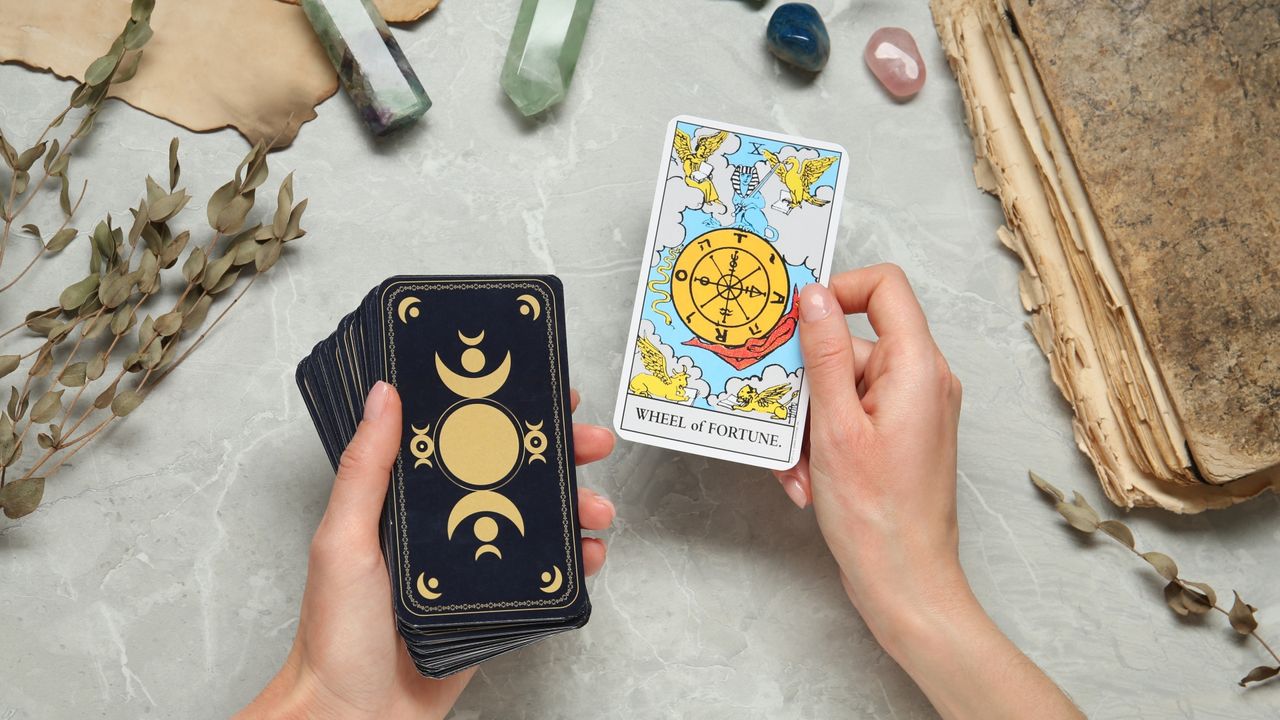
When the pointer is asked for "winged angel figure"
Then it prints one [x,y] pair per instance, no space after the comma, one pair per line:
[693,161]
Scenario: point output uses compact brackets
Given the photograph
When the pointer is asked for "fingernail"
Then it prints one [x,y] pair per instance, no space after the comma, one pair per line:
[604,502]
[791,484]
[815,303]
[377,400]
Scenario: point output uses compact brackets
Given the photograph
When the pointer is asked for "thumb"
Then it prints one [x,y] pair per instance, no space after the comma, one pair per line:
[364,471]
[828,360]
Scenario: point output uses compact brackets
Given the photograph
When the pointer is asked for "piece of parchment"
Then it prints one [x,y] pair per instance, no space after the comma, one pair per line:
[253,65]
[398,11]
[1082,317]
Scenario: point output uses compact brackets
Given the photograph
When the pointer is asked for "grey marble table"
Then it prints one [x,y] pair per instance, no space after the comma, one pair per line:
[162,575]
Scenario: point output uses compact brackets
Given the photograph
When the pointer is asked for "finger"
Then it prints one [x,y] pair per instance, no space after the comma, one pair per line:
[574,399]
[593,554]
[591,443]
[594,511]
[828,360]
[355,503]
[795,482]
[885,295]
[861,353]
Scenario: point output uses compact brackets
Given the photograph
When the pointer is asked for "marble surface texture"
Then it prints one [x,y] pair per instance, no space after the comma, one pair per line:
[162,575]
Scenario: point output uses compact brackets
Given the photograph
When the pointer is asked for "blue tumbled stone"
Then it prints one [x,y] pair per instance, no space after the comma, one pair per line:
[798,36]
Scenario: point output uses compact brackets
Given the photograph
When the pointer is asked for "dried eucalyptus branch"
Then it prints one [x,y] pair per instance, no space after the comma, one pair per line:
[95,327]
[1184,597]
[95,318]
[118,65]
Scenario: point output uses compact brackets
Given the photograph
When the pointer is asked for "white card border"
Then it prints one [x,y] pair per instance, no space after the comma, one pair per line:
[824,274]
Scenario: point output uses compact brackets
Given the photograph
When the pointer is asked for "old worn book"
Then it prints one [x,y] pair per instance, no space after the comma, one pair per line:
[1135,152]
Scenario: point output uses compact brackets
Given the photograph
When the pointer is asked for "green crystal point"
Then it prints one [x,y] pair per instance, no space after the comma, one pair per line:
[372,67]
[544,51]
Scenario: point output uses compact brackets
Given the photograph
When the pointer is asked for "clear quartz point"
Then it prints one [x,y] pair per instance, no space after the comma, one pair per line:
[544,51]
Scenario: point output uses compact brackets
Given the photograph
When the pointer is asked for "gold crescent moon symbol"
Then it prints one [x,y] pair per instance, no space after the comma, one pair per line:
[408,307]
[425,587]
[471,341]
[487,549]
[533,306]
[554,581]
[476,387]
[484,501]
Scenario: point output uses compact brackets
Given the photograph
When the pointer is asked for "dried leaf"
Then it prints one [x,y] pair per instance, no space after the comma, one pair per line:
[169,323]
[115,290]
[128,67]
[194,265]
[227,281]
[1195,603]
[1241,616]
[30,155]
[99,70]
[1078,517]
[174,249]
[292,231]
[245,252]
[141,10]
[137,35]
[1046,487]
[175,169]
[122,320]
[167,206]
[1204,588]
[194,317]
[47,407]
[41,323]
[257,175]
[231,219]
[216,269]
[7,439]
[9,363]
[1117,530]
[125,403]
[267,255]
[60,240]
[1258,674]
[1163,564]
[106,396]
[61,330]
[1173,598]
[75,374]
[218,202]
[76,293]
[284,201]
[96,366]
[43,363]
[21,497]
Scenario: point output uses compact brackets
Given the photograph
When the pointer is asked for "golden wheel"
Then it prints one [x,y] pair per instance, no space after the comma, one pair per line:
[730,286]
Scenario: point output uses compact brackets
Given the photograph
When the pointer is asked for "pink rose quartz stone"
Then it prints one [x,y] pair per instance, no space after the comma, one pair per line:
[895,60]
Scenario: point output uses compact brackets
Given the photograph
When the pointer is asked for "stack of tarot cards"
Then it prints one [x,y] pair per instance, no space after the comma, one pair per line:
[480,527]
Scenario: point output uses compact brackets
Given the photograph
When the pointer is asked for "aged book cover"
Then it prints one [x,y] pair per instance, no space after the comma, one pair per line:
[1143,218]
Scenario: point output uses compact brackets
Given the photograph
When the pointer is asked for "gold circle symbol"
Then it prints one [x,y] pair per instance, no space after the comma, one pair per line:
[730,286]
[485,529]
[478,444]
[473,360]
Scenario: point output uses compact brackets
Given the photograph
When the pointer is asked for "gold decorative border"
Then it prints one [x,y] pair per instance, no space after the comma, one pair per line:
[399,525]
